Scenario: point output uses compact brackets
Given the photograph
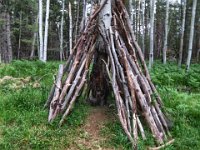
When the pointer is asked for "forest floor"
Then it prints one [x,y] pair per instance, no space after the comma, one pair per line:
[24,87]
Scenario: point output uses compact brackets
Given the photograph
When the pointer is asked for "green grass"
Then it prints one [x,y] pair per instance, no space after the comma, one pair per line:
[180,93]
[23,121]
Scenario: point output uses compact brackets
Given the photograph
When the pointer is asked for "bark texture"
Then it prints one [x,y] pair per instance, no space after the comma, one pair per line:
[108,46]
[5,36]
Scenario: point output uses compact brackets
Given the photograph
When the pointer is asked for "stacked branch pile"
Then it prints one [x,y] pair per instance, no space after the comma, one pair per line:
[137,100]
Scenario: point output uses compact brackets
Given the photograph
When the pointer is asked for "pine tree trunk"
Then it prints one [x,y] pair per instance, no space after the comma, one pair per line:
[46,31]
[182,34]
[40,25]
[166,33]
[191,35]
[5,36]
[152,6]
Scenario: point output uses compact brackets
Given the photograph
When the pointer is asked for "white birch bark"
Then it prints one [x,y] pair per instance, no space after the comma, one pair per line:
[182,34]
[191,35]
[152,7]
[70,28]
[40,16]
[61,30]
[46,31]
[166,33]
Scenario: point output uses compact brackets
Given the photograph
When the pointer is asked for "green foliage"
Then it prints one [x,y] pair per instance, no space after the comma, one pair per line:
[171,76]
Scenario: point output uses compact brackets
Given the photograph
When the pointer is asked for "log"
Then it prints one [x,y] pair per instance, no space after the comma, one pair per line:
[135,95]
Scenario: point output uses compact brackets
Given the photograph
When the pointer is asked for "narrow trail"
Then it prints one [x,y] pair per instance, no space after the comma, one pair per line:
[89,137]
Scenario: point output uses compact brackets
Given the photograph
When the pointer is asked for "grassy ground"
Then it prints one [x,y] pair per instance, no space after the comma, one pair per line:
[24,87]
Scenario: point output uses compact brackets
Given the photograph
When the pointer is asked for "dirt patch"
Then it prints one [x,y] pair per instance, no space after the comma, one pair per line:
[89,136]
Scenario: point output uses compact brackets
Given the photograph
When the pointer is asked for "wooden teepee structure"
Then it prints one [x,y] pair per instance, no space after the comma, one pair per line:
[108,46]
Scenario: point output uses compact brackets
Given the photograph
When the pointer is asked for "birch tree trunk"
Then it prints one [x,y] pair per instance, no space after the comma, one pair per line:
[143,27]
[182,34]
[166,33]
[46,31]
[131,12]
[152,6]
[70,28]
[191,35]
[61,30]
[40,16]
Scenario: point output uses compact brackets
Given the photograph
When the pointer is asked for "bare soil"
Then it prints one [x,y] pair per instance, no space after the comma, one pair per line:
[90,137]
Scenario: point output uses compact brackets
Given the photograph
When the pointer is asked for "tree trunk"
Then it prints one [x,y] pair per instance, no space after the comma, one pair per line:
[152,6]
[20,34]
[166,33]
[35,34]
[46,31]
[61,30]
[191,35]
[5,36]
[182,34]
[143,27]
[77,21]
[198,52]
[70,28]
[40,16]
[131,11]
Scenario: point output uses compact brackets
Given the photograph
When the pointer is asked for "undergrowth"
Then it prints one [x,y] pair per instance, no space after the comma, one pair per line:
[23,121]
